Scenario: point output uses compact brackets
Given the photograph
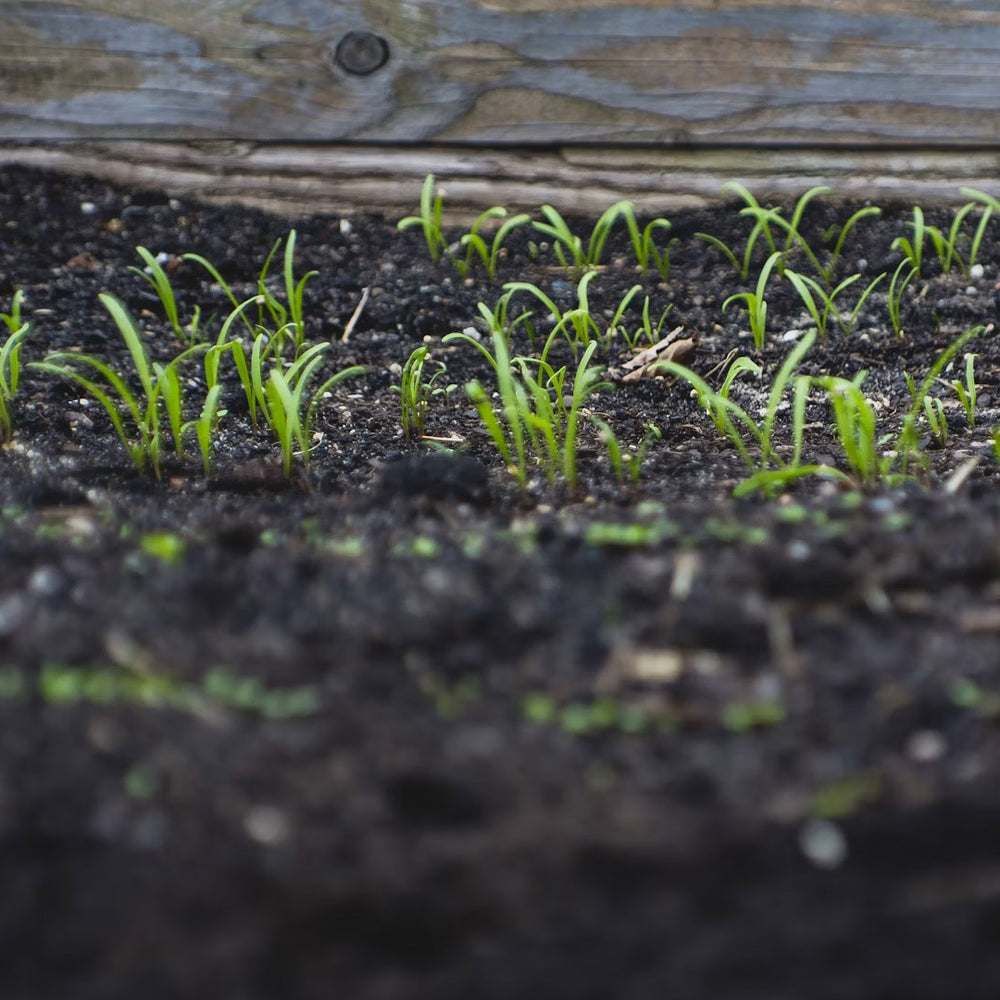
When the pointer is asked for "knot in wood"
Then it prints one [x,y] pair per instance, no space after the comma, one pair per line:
[361,53]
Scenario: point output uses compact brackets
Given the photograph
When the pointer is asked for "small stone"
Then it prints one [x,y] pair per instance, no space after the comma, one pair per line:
[976,271]
[346,227]
[267,825]
[926,746]
[823,844]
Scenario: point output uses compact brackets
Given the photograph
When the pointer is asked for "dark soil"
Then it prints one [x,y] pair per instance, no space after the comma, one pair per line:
[747,749]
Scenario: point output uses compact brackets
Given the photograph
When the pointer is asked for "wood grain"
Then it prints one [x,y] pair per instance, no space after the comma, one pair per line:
[301,179]
[495,72]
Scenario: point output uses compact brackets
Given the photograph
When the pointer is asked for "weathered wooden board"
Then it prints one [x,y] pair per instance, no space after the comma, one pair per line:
[677,72]
[343,179]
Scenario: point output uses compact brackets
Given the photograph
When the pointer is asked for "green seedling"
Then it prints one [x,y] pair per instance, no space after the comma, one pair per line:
[647,330]
[280,321]
[913,249]
[577,325]
[946,246]
[897,287]
[766,217]
[764,220]
[12,320]
[937,422]
[828,272]
[756,303]
[204,426]
[572,254]
[907,446]
[814,295]
[770,472]
[157,278]
[283,401]
[856,426]
[159,384]
[644,242]
[630,463]
[540,412]
[10,369]
[415,391]
[429,220]
[966,392]
[475,244]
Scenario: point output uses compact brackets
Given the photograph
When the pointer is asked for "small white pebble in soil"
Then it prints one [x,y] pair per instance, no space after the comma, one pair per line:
[926,746]
[971,290]
[45,581]
[862,263]
[88,207]
[267,825]
[976,271]
[346,228]
[823,844]
[799,550]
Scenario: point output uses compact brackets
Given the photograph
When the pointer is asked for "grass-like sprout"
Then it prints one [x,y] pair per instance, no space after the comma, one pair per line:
[158,279]
[415,391]
[756,303]
[475,244]
[946,246]
[856,427]
[644,242]
[280,321]
[13,320]
[897,287]
[540,414]
[907,447]
[937,422]
[814,295]
[913,249]
[429,220]
[159,384]
[283,401]
[841,234]
[648,330]
[967,394]
[770,472]
[764,219]
[10,365]
[630,463]
[570,250]
[577,325]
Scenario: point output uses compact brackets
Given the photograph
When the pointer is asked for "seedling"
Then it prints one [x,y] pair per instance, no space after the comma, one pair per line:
[644,242]
[814,295]
[540,423]
[576,325]
[631,462]
[475,244]
[897,287]
[967,393]
[569,248]
[913,249]
[158,383]
[829,271]
[429,220]
[647,330]
[283,401]
[285,320]
[855,423]
[415,391]
[755,302]
[157,277]
[12,320]
[10,367]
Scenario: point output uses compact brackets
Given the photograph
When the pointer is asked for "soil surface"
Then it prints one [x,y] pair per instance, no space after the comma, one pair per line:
[398,728]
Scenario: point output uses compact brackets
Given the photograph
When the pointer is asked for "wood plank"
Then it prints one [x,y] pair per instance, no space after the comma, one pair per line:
[300,179]
[494,72]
